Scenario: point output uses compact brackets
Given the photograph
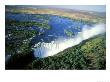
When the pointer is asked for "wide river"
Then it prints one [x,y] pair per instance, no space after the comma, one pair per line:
[64,32]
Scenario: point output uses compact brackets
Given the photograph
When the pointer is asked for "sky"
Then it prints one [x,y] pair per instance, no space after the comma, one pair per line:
[97,8]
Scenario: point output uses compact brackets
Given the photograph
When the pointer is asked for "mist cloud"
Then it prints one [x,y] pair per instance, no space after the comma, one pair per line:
[50,49]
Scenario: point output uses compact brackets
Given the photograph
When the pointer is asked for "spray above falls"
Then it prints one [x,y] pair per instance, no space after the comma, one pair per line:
[54,47]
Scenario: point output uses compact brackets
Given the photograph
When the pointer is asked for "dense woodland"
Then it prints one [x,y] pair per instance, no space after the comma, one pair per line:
[90,54]
[22,25]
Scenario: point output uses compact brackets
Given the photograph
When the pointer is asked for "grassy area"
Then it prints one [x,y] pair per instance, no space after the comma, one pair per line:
[18,42]
[75,15]
[90,54]
[17,37]
[27,24]
[68,33]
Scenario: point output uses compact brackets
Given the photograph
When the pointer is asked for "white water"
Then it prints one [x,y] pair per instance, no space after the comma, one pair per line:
[50,49]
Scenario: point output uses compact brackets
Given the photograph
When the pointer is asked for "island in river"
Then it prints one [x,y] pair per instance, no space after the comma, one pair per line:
[52,38]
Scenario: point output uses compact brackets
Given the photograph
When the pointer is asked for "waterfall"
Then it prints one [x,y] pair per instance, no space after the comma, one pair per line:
[54,47]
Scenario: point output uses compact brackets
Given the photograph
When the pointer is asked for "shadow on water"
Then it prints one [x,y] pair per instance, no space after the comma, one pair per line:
[61,27]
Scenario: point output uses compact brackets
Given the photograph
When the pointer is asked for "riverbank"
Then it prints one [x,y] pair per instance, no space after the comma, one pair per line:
[90,54]
[75,15]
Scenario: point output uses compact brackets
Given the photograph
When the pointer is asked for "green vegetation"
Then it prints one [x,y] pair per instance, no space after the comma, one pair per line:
[75,15]
[77,28]
[18,41]
[68,33]
[95,53]
[17,38]
[28,24]
[39,17]
[90,54]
